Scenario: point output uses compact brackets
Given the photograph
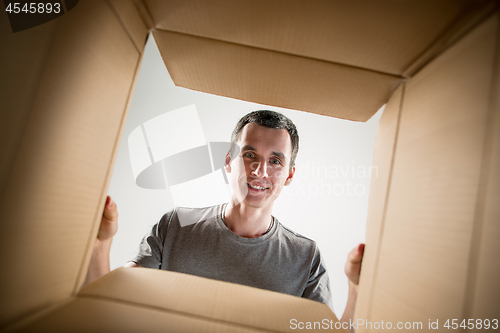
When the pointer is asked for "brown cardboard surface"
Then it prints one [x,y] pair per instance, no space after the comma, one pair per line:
[483,298]
[91,240]
[383,35]
[379,190]
[143,11]
[432,238]
[473,15]
[131,19]
[22,59]
[244,49]
[36,316]
[205,298]
[99,315]
[56,189]
[273,78]
[423,264]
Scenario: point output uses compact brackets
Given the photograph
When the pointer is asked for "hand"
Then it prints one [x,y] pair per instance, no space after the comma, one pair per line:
[353,271]
[353,264]
[99,261]
[109,221]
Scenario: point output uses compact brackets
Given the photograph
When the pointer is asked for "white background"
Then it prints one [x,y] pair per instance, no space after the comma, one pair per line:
[327,200]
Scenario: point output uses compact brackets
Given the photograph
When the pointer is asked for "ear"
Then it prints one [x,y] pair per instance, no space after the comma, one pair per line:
[227,163]
[290,176]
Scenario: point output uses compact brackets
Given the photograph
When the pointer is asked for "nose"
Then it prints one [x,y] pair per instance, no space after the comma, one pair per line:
[259,169]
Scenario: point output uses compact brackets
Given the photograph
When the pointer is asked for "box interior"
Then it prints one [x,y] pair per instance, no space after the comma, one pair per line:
[432,229]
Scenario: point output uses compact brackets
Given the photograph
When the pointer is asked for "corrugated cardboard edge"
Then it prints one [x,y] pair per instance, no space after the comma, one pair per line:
[385,150]
[97,219]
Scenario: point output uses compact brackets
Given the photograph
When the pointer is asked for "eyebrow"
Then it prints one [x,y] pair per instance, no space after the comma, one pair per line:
[275,153]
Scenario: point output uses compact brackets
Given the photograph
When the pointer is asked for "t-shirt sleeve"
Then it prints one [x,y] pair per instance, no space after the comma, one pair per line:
[150,251]
[318,285]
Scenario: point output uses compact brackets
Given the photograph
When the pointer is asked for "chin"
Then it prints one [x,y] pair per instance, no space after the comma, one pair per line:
[254,204]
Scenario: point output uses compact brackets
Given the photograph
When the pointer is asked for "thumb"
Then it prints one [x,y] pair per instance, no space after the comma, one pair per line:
[110,210]
[356,255]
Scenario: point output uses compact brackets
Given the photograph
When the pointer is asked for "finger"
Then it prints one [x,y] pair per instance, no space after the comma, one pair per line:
[110,211]
[109,202]
[356,255]
[361,249]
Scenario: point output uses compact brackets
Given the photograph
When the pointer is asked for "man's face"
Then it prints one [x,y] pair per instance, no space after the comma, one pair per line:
[262,167]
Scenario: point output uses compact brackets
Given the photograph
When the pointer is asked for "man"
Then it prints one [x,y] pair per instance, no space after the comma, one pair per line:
[240,241]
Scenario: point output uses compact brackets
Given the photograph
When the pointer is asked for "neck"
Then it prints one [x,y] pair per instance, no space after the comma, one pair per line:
[248,222]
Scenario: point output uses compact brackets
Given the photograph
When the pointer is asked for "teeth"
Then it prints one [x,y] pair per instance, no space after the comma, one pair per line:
[257,187]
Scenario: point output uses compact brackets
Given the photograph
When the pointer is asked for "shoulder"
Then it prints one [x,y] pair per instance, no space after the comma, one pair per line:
[176,219]
[189,215]
[294,239]
[197,211]
[295,235]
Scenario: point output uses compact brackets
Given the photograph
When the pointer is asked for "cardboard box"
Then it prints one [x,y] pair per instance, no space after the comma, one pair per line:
[432,231]
[146,300]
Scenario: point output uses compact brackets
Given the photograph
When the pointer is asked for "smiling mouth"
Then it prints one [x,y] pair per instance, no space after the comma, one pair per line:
[257,187]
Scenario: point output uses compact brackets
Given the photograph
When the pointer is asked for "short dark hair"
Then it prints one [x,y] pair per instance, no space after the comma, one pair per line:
[270,119]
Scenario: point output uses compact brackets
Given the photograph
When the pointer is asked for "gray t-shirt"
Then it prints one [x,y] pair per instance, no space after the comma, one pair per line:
[196,241]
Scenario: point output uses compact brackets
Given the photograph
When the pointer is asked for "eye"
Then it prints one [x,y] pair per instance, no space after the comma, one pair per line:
[275,161]
[249,154]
